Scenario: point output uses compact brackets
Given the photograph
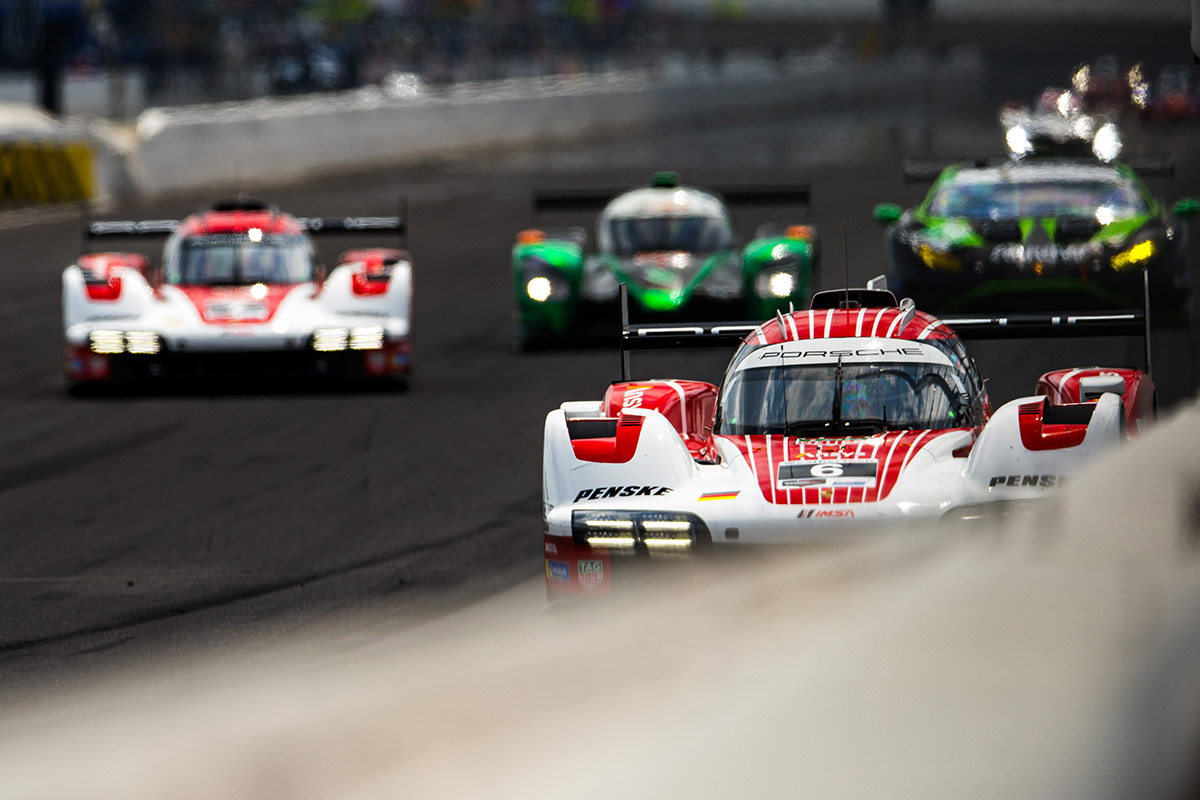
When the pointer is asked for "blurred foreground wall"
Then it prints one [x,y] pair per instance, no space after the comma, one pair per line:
[1056,656]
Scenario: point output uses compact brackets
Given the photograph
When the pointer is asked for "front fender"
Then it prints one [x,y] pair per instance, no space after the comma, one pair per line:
[337,297]
[135,300]
[656,465]
[1030,445]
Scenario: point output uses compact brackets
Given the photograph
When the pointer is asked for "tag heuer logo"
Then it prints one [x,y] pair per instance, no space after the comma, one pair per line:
[591,573]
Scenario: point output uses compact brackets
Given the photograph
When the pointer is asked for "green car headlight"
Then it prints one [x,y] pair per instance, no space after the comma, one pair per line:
[1135,256]
[780,277]
[541,283]
[776,283]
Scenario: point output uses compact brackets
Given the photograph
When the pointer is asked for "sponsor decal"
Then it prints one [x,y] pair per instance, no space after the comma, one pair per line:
[235,238]
[1035,481]
[827,474]
[633,396]
[782,353]
[1035,253]
[234,309]
[560,571]
[607,492]
[719,495]
[591,572]
[825,513]
[551,548]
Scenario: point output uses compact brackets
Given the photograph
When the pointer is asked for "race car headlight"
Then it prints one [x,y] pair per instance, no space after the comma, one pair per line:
[113,342]
[656,531]
[1135,256]
[142,342]
[539,289]
[106,342]
[1018,140]
[542,283]
[775,283]
[938,259]
[366,338]
[604,529]
[329,340]
[1107,142]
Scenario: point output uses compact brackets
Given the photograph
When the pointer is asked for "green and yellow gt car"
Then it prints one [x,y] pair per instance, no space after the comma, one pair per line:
[675,248]
[1046,234]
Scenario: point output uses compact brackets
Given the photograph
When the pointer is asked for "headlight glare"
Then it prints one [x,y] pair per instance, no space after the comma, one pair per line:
[775,283]
[1134,256]
[1018,140]
[543,283]
[938,260]
[1107,142]
[369,337]
[107,342]
[329,340]
[539,289]
[142,342]
[113,342]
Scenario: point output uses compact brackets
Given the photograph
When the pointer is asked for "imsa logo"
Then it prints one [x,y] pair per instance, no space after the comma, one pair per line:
[825,513]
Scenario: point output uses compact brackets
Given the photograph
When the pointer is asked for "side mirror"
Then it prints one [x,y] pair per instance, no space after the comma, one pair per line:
[1187,207]
[887,213]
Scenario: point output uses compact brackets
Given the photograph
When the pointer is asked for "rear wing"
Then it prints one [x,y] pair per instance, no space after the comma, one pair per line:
[664,335]
[563,200]
[926,170]
[1134,322]
[130,229]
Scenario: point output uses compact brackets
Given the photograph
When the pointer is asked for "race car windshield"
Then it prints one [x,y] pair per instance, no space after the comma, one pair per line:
[796,400]
[686,234]
[235,259]
[1015,199]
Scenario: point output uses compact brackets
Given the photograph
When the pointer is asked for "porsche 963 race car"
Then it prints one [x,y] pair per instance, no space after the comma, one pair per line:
[240,291]
[676,248]
[844,414]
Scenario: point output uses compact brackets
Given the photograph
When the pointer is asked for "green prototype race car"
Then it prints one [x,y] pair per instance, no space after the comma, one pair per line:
[676,249]
[1040,234]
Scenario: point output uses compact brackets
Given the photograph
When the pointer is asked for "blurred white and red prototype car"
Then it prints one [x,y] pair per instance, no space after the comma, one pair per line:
[859,409]
[240,292]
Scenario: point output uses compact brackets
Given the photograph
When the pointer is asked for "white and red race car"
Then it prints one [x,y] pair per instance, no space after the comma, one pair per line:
[857,410]
[240,292]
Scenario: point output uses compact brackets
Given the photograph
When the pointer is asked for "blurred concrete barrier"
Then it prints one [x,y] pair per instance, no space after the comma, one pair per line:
[1056,656]
[285,140]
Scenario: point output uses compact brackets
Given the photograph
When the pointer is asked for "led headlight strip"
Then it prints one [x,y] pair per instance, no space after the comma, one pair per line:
[113,342]
[332,340]
[625,530]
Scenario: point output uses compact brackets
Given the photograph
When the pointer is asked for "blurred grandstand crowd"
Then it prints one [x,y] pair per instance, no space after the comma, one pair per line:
[209,50]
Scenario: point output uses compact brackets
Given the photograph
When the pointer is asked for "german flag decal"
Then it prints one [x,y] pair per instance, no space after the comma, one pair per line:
[719,495]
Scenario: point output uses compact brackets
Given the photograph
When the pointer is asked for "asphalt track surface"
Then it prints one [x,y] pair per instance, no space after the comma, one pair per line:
[155,524]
